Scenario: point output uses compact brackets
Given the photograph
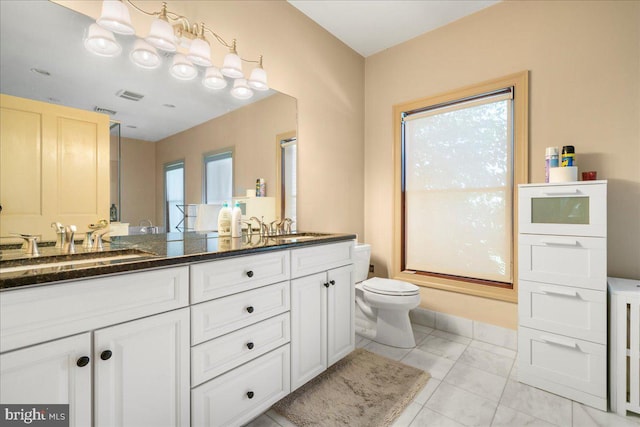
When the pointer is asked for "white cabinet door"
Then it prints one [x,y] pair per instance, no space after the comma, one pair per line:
[308,328]
[142,372]
[340,315]
[51,373]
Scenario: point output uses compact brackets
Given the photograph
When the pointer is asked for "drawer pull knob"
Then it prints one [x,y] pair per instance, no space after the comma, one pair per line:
[250,345]
[326,285]
[333,282]
[106,355]
[83,361]
[250,394]
[249,273]
[558,341]
[250,309]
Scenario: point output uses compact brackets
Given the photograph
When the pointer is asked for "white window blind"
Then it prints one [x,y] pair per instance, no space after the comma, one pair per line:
[218,178]
[289,148]
[174,194]
[458,186]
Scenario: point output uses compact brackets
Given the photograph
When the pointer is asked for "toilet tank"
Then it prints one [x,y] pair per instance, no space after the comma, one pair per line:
[362,257]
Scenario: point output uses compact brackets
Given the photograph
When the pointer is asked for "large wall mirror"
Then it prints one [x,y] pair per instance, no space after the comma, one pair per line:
[175,122]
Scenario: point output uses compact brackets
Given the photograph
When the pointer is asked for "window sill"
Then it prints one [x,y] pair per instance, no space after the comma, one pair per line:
[451,285]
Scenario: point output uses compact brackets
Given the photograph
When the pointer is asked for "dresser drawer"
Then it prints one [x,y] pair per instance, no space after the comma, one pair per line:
[212,358]
[569,311]
[314,259]
[42,313]
[221,316]
[563,260]
[238,396]
[568,362]
[576,209]
[229,276]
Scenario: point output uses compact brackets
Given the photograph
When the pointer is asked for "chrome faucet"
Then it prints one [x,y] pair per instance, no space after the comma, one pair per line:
[30,243]
[59,234]
[69,245]
[264,228]
[97,238]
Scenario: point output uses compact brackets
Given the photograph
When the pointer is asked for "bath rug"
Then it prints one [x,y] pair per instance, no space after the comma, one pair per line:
[361,390]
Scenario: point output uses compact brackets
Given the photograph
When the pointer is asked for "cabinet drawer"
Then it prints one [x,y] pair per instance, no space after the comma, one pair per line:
[42,313]
[568,362]
[578,209]
[218,317]
[569,311]
[563,260]
[225,400]
[222,354]
[225,277]
[315,259]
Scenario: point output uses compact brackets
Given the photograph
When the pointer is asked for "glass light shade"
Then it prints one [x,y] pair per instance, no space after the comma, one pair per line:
[241,90]
[102,42]
[161,36]
[232,66]
[144,55]
[182,68]
[200,52]
[115,17]
[213,79]
[258,79]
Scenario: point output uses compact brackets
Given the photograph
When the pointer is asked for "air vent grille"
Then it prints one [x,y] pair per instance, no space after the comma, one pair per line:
[131,96]
[104,111]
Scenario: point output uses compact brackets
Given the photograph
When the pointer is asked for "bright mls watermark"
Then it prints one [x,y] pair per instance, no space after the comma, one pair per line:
[34,415]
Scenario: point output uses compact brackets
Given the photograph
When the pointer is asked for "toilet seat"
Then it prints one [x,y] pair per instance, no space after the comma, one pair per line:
[390,287]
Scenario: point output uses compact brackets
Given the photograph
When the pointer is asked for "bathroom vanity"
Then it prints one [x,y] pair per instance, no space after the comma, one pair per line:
[193,335]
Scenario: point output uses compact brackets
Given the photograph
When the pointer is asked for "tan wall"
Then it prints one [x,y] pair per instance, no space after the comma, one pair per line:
[138,175]
[324,75]
[251,132]
[584,67]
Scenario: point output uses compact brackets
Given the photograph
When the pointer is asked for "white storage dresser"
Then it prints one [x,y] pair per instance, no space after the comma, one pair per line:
[562,289]
[624,373]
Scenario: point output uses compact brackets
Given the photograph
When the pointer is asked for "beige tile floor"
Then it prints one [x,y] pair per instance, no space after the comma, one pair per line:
[474,384]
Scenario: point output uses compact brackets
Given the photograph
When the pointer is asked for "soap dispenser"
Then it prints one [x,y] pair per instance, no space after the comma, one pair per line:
[236,221]
[224,221]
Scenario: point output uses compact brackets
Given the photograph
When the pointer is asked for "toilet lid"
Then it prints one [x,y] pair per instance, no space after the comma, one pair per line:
[389,287]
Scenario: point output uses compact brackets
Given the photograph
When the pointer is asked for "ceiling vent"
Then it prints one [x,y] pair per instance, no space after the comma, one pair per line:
[131,96]
[104,111]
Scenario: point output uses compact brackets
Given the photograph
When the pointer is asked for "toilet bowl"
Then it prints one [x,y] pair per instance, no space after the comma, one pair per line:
[385,302]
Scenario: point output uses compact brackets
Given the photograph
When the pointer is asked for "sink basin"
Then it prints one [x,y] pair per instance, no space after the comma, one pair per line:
[297,237]
[79,260]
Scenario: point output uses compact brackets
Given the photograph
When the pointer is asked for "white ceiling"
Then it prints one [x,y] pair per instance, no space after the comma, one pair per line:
[369,27]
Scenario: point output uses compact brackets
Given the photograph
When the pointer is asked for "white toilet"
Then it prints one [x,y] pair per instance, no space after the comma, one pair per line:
[385,302]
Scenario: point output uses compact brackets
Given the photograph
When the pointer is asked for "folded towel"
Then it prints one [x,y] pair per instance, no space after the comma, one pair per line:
[207,217]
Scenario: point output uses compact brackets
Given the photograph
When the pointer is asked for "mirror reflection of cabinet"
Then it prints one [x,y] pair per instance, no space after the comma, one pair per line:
[53,166]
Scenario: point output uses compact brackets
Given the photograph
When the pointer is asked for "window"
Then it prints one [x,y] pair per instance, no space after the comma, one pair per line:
[288,148]
[460,158]
[174,195]
[218,177]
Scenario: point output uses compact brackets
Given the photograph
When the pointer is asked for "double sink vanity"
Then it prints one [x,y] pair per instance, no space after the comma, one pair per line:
[174,329]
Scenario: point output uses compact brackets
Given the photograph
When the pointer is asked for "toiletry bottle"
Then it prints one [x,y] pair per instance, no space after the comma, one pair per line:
[550,161]
[568,155]
[224,221]
[113,213]
[236,221]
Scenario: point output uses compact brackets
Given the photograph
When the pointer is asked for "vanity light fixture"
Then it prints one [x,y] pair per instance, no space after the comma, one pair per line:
[172,33]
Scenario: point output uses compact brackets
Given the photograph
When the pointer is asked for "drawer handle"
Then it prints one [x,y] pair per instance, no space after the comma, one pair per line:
[326,285]
[250,309]
[106,355]
[250,394]
[559,292]
[560,192]
[560,242]
[249,273]
[250,345]
[83,361]
[558,341]
[333,282]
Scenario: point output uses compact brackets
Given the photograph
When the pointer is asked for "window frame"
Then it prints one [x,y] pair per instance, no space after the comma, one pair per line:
[519,82]
[169,166]
[280,182]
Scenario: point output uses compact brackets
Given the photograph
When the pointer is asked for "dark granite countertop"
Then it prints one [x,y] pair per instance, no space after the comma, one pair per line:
[131,253]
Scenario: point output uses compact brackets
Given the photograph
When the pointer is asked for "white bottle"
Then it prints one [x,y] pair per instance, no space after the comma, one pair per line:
[224,221]
[236,221]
